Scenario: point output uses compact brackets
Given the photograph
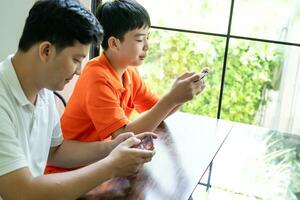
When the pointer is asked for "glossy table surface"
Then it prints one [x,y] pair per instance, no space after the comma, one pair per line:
[184,149]
[257,163]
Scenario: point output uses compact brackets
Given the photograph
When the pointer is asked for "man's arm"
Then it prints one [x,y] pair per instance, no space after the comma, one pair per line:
[75,153]
[122,161]
[184,89]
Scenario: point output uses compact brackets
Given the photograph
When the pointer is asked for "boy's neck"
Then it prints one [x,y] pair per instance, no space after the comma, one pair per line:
[117,66]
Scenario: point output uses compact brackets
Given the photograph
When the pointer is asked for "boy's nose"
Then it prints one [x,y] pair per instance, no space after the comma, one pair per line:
[146,45]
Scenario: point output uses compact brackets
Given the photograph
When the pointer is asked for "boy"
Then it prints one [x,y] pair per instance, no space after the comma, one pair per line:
[110,88]
[56,37]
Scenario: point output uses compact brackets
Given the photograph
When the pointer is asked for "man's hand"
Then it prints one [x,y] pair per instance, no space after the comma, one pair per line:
[125,160]
[146,140]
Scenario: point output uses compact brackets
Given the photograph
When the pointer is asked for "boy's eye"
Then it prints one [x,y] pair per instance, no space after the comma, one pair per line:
[139,40]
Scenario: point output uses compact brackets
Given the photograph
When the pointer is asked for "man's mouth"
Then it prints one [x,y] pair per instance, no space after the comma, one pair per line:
[68,79]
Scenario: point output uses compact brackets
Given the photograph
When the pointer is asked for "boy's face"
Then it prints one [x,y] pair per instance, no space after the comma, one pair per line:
[63,65]
[133,49]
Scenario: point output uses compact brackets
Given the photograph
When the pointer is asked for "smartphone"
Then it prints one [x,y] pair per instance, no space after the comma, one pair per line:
[146,143]
[204,72]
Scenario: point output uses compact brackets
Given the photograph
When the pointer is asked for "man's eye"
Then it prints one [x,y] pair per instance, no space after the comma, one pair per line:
[139,40]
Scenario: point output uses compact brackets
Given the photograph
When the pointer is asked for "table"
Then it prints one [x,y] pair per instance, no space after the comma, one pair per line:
[184,149]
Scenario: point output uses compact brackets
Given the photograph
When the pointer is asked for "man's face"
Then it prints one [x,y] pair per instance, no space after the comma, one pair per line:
[64,64]
[134,47]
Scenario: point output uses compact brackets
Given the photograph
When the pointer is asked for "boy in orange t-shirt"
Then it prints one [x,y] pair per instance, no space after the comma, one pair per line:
[110,87]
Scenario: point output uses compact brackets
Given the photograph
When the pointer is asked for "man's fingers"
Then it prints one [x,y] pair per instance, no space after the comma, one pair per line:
[131,142]
[145,160]
[143,153]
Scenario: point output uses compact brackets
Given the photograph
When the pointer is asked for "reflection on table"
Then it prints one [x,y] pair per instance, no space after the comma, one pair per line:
[186,145]
[257,164]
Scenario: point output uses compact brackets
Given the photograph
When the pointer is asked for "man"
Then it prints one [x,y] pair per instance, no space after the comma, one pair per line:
[55,39]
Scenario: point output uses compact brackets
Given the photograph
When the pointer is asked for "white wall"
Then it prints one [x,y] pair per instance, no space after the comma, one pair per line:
[12,19]
[13,14]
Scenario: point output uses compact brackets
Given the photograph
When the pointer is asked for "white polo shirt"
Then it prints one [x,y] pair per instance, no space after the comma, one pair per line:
[26,131]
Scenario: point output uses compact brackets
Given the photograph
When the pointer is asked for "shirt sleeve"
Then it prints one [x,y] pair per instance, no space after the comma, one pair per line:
[57,136]
[11,153]
[103,107]
[143,98]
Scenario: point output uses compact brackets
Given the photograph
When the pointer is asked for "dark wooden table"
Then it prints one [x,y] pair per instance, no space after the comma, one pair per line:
[186,145]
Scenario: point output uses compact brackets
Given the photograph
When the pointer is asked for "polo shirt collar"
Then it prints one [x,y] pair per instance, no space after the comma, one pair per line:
[15,86]
[114,78]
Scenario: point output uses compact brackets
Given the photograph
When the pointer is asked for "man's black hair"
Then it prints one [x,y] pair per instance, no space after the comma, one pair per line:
[61,22]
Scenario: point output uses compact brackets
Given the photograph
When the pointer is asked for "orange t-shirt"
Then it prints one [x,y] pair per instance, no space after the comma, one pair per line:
[101,104]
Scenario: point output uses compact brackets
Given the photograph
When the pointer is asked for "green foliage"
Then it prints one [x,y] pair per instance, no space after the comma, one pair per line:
[250,69]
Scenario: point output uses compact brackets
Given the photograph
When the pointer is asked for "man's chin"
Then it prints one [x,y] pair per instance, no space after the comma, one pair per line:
[57,88]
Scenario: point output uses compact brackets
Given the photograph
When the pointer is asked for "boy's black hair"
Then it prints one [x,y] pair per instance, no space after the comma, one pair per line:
[120,16]
[60,22]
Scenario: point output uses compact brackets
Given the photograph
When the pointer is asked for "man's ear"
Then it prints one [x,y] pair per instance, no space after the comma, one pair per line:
[46,51]
[113,43]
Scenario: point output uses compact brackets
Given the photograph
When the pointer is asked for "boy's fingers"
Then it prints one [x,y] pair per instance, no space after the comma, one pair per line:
[185,75]
[205,70]
[194,78]
[127,135]
[201,88]
[144,134]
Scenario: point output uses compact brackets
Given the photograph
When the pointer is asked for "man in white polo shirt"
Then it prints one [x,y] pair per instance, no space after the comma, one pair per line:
[55,39]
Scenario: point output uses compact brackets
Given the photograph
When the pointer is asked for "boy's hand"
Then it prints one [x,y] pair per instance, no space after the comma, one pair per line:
[120,138]
[125,160]
[187,86]
[141,136]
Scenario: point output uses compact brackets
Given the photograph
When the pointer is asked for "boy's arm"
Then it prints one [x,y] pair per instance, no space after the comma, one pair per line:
[122,161]
[150,119]
[184,89]
[174,109]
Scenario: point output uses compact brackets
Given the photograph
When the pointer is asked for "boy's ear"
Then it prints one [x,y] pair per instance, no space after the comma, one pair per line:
[114,43]
[46,50]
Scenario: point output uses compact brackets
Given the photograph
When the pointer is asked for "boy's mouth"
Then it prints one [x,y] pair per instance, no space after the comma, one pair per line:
[142,57]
